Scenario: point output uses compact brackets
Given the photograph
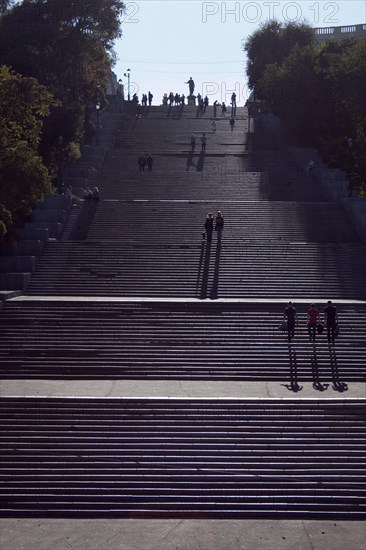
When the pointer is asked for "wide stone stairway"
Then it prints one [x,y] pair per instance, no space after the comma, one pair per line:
[134,295]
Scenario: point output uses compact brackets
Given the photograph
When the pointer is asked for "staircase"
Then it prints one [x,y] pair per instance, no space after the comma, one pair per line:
[170,340]
[131,292]
[183,458]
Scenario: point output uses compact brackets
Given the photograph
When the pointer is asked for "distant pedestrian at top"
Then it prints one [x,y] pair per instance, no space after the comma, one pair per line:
[203,142]
[142,162]
[149,161]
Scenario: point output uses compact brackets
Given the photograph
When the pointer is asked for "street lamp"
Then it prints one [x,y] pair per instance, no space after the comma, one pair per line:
[128,83]
[120,94]
[98,122]
[60,160]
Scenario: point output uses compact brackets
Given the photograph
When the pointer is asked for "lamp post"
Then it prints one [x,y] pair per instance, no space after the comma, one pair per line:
[127,73]
[60,161]
[98,123]
[248,131]
[120,94]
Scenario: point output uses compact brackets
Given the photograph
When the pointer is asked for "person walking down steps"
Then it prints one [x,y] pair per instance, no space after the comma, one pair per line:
[219,226]
[150,162]
[203,142]
[209,225]
[141,162]
[193,142]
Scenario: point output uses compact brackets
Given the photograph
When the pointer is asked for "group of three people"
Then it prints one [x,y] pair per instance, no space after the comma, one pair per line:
[313,320]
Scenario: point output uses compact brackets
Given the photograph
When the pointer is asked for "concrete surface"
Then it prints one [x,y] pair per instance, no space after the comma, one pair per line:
[130,534]
[173,388]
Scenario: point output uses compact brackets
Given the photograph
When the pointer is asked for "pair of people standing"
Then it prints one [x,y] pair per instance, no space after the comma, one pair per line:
[145,160]
[214,224]
[313,320]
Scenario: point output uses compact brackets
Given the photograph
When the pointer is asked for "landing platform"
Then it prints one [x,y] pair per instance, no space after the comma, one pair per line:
[177,388]
[130,534]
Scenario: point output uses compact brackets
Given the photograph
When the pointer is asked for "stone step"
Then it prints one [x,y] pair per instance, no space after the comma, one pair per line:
[191,340]
[236,269]
[183,458]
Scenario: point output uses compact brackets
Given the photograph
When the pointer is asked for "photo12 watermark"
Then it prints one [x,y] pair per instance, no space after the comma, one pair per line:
[324,13]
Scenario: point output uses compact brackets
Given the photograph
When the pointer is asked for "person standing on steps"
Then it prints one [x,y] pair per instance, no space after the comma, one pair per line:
[150,97]
[313,320]
[213,126]
[215,108]
[330,320]
[290,315]
[209,226]
[203,142]
[193,142]
[149,161]
[232,123]
[233,104]
[142,162]
[219,226]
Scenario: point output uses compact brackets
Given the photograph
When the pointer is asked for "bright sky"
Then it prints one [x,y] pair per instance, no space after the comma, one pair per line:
[165,42]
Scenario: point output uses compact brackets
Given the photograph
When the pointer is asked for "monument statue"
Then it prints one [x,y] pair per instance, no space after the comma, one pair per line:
[191,86]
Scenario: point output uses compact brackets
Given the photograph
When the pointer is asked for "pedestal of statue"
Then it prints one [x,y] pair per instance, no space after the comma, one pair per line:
[191,100]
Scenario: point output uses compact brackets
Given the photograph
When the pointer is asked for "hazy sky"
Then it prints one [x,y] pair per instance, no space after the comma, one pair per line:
[165,42]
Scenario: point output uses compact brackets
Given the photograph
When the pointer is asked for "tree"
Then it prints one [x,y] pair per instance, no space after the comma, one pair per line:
[4,6]
[271,44]
[68,46]
[24,104]
[319,91]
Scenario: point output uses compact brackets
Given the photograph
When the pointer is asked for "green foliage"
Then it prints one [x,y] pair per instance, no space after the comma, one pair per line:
[60,53]
[271,44]
[4,6]
[68,46]
[5,220]
[23,177]
[319,91]
[23,105]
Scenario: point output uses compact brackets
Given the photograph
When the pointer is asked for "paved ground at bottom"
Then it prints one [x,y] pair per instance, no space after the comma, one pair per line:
[65,534]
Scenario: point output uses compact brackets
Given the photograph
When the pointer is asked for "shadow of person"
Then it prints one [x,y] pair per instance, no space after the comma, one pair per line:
[201,161]
[215,282]
[200,265]
[205,272]
[317,384]
[293,385]
[337,385]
